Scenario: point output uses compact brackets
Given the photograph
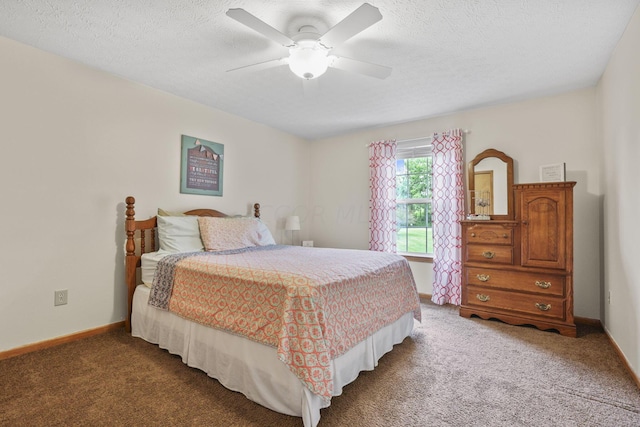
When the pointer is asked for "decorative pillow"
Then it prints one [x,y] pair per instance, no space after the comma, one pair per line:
[162,212]
[179,234]
[224,234]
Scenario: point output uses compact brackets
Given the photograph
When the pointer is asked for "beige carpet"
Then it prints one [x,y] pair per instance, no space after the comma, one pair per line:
[451,372]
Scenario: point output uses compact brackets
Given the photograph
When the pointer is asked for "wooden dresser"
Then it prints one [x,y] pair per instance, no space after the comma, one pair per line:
[521,271]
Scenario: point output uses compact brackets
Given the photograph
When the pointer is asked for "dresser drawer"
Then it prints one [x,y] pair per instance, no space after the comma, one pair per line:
[542,283]
[489,254]
[542,306]
[494,234]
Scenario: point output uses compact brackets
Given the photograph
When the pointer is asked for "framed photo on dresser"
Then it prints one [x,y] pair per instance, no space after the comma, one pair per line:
[552,173]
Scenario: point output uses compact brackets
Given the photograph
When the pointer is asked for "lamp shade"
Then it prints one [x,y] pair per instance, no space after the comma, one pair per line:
[292,224]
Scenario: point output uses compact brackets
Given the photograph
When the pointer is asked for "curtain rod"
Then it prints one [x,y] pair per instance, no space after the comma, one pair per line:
[464,131]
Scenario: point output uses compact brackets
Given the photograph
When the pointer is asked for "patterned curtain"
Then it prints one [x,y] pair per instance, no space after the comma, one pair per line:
[448,209]
[382,203]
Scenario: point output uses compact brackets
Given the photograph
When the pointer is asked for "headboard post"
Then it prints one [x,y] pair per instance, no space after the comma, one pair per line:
[131,260]
[256,210]
[130,225]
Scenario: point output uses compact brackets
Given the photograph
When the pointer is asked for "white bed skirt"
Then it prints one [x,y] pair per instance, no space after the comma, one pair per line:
[251,368]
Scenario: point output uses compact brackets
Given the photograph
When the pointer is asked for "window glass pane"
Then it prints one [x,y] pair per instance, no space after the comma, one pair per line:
[417,239]
[401,228]
[417,169]
[402,187]
[401,240]
[414,229]
[417,186]
[401,215]
[417,215]
[417,165]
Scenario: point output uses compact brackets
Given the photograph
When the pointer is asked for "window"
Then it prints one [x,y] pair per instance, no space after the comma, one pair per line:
[413,198]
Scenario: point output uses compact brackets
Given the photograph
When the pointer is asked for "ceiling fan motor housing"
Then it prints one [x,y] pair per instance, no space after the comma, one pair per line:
[308,58]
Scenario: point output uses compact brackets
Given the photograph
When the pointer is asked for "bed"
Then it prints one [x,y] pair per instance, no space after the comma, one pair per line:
[286,326]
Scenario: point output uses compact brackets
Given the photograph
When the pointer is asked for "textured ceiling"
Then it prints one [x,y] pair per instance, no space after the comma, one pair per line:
[447,55]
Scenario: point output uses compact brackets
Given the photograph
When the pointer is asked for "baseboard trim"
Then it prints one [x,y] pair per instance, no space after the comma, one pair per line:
[425,296]
[60,340]
[623,359]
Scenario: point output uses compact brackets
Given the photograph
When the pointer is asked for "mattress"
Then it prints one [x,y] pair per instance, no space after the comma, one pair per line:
[148,264]
[252,368]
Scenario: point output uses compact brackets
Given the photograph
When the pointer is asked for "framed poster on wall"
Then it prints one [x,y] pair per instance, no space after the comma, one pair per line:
[201,167]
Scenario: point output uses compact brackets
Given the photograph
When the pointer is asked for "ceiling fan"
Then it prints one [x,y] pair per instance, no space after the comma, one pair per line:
[310,52]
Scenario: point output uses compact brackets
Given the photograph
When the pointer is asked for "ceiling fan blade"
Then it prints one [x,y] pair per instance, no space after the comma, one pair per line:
[262,65]
[244,17]
[361,67]
[359,20]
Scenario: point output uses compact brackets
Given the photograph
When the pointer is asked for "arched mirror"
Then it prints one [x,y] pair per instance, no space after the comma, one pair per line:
[490,176]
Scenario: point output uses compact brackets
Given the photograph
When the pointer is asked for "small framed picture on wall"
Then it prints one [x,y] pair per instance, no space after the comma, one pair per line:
[552,173]
[201,167]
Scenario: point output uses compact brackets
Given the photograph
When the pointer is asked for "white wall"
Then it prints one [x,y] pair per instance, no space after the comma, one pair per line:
[74,142]
[537,132]
[619,102]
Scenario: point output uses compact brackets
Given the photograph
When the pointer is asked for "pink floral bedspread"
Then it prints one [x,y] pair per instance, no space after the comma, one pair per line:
[312,304]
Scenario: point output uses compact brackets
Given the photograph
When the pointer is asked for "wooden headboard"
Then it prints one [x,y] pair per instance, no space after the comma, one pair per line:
[143,232]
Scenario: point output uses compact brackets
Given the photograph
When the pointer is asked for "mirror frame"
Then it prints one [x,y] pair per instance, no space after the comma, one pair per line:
[490,152]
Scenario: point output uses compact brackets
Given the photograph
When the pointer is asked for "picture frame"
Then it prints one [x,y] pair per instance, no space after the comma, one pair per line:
[552,173]
[201,167]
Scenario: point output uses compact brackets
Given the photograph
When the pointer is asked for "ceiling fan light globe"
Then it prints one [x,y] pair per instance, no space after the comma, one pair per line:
[308,62]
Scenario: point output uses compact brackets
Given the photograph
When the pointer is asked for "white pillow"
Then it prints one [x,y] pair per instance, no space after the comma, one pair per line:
[179,234]
[224,234]
[263,235]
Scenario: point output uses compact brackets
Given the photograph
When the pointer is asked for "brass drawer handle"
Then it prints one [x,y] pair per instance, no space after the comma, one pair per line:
[542,284]
[483,277]
[505,235]
[543,307]
[488,254]
[483,298]
[473,234]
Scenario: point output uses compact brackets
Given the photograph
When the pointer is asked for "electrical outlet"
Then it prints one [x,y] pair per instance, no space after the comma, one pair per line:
[307,243]
[60,297]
